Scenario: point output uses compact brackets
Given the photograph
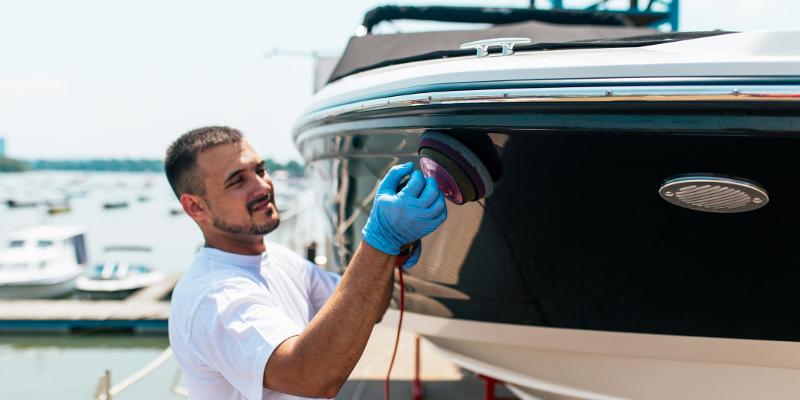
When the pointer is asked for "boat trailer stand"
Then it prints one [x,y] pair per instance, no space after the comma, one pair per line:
[416,384]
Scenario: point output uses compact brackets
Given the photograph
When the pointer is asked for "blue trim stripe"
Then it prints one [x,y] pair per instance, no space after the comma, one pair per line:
[81,324]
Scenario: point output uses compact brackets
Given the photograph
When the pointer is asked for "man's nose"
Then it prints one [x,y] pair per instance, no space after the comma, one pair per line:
[263,185]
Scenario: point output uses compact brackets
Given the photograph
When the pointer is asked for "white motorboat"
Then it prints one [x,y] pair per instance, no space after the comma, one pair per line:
[42,262]
[125,270]
[639,239]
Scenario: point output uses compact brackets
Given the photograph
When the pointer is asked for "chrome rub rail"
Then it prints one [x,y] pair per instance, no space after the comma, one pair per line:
[569,94]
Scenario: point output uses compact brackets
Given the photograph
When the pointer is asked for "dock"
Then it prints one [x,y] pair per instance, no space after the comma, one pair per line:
[147,312]
[144,312]
[440,378]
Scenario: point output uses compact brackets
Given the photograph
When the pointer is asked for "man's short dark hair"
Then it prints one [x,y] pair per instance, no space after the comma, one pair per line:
[181,163]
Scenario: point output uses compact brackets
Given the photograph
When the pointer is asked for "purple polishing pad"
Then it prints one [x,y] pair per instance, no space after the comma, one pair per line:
[445,182]
[464,157]
[459,159]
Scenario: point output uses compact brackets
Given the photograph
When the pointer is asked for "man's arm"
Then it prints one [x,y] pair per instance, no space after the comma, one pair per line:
[318,361]
[387,299]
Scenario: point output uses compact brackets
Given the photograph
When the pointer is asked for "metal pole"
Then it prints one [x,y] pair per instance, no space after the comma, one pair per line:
[108,384]
[673,15]
[488,393]
[311,251]
[104,387]
[416,385]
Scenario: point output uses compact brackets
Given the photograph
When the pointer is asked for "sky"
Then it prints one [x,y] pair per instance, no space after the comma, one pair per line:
[123,79]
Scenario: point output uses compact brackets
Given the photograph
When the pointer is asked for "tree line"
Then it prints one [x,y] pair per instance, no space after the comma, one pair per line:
[129,165]
[12,165]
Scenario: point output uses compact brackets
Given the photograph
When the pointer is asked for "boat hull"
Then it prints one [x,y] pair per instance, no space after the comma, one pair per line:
[557,364]
[42,289]
[105,294]
[115,289]
[576,243]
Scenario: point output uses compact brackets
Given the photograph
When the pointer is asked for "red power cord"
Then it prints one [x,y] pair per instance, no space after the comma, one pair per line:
[399,326]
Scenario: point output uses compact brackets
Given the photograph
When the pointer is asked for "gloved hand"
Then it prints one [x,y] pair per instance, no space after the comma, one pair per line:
[402,217]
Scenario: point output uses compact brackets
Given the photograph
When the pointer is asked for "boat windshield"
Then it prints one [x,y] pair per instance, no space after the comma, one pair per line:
[112,270]
[16,243]
[45,243]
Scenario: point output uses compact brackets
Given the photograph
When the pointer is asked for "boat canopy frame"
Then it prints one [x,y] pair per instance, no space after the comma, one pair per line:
[496,16]
[592,15]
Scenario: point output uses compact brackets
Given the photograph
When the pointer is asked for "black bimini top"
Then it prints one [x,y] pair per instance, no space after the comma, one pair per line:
[375,51]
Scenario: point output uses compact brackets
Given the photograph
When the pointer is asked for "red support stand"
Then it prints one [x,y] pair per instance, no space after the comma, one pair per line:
[490,382]
[416,385]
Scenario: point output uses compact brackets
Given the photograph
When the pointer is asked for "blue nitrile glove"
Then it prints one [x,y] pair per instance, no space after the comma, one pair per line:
[414,258]
[398,218]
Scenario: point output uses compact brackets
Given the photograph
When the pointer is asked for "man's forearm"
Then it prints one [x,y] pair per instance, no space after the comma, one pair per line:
[387,299]
[318,361]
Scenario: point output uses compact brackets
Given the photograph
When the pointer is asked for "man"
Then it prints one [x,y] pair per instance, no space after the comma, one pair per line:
[249,318]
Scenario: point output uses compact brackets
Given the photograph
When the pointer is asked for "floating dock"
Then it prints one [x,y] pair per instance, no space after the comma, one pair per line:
[143,312]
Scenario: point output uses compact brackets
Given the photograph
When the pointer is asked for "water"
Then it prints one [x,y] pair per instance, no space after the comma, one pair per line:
[67,367]
[174,239]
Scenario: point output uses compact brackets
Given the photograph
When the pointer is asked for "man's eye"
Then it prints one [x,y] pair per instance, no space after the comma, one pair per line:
[237,181]
[262,171]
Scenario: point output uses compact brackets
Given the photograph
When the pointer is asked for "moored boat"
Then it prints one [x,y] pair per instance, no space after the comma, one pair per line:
[58,207]
[42,262]
[115,204]
[124,270]
[638,240]
[21,204]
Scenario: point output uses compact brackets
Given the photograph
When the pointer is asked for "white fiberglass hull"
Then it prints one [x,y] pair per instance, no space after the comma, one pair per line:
[52,288]
[116,288]
[558,364]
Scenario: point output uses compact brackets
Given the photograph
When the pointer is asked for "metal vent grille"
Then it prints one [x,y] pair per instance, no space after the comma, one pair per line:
[714,194]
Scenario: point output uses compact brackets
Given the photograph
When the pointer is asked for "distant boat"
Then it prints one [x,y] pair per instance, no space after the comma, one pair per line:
[58,208]
[143,198]
[72,194]
[21,204]
[176,211]
[124,271]
[42,262]
[115,204]
[148,180]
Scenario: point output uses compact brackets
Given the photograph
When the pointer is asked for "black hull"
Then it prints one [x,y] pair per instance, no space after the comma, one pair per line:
[576,235]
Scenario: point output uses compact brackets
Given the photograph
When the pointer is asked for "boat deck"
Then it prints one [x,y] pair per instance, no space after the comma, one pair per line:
[142,312]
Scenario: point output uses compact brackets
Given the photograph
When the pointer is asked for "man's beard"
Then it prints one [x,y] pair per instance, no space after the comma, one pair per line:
[251,229]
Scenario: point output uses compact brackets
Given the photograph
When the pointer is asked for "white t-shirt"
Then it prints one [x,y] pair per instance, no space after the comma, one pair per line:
[229,312]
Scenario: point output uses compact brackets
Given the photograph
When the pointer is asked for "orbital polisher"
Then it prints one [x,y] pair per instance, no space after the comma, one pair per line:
[460,173]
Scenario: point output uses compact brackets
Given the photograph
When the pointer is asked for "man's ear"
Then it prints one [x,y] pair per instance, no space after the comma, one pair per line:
[194,206]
